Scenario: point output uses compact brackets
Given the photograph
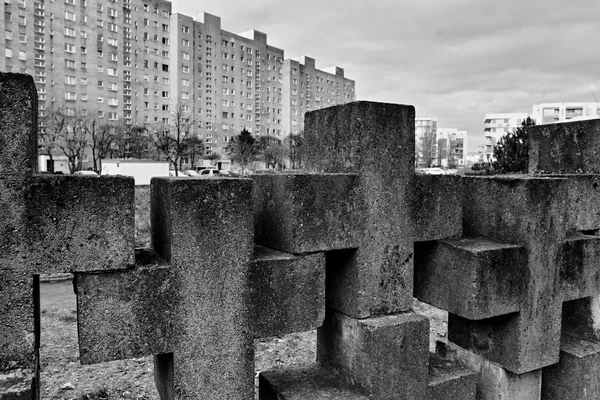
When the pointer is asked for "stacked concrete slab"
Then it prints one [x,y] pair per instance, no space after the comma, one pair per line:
[341,246]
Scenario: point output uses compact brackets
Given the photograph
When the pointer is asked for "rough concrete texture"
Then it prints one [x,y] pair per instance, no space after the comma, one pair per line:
[126,314]
[578,262]
[287,292]
[493,381]
[17,385]
[581,318]
[204,229]
[571,147]
[386,356]
[377,141]
[583,202]
[81,223]
[18,160]
[473,277]
[449,380]
[309,382]
[575,377]
[302,213]
[437,207]
[530,212]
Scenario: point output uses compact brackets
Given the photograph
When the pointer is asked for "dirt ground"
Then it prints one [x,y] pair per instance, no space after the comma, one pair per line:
[63,377]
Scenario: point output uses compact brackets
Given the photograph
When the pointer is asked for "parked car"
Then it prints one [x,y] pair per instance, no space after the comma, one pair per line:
[191,173]
[207,173]
[85,173]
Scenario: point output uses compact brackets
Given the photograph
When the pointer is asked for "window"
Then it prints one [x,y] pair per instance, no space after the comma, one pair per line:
[114,57]
[70,64]
[112,42]
[100,99]
[165,94]
[165,81]
[21,20]
[113,101]
[112,27]
[225,79]
[165,67]
[70,96]
[83,81]
[83,96]
[225,55]
[112,12]
[112,71]
[112,116]
[70,48]
[185,82]
[185,42]
[185,29]
[114,87]
[70,16]
[70,80]
[186,56]
[165,28]
[100,83]
[185,95]
[185,69]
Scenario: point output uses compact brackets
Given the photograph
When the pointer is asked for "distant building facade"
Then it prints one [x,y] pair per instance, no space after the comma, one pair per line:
[496,125]
[452,145]
[136,63]
[549,113]
[426,142]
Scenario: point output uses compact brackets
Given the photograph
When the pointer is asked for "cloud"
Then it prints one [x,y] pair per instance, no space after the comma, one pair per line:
[453,59]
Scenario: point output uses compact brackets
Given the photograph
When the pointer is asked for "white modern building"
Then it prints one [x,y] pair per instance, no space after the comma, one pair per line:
[496,125]
[549,113]
[452,145]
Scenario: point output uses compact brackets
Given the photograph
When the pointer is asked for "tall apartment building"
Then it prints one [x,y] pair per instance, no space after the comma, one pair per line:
[452,144]
[90,56]
[549,113]
[132,61]
[496,125]
[307,88]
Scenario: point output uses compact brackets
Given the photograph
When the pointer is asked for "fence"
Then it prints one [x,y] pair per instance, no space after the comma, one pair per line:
[342,246]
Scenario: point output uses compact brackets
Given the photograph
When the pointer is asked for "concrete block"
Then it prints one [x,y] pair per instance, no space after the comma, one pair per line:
[583,202]
[303,213]
[287,292]
[18,161]
[376,141]
[570,147]
[581,318]
[204,229]
[81,223]
[473,277]
[437,207]
[449,380]
[309,382]
[530,212]
[495,382]
[576,376]
[578,262]
[386,356]
[126,314]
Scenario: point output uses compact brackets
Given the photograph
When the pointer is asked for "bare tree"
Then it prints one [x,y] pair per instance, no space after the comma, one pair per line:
[295,144]
[273,151]
[73,139]
[101,140]
[426,142]
[52,125]
[170,139]
[194,148]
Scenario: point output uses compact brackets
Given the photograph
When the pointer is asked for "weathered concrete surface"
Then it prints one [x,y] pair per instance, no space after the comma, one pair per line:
[18,160]
[80,223]
[375,140]
[449,380]
[473,277]
[529,212]
[303,213]
[575,377]
[578,262]
[386,356]
[493,381]
[204,229]
[437,207]
[583,202]
[126,314]
[581,318]
[287,292]
[570,147]
[309,382]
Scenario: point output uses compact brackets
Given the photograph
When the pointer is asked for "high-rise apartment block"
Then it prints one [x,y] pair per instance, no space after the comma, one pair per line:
[549,113]
[134,62]
[495,126]
[452,144]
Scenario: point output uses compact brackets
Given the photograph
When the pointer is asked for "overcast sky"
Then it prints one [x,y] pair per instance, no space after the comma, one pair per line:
[454,60]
